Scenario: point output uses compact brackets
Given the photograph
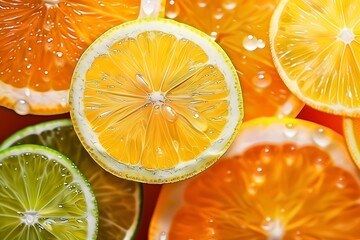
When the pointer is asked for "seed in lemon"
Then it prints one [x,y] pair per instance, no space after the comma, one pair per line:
[44,196]
[280,179]
[119,200]
[155,101]
[315,47]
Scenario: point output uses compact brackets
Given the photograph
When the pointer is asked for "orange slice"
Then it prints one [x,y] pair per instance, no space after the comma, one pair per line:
[281,179]
[352,136]
[241,29]
[41,41]
[154,100]
[315,45]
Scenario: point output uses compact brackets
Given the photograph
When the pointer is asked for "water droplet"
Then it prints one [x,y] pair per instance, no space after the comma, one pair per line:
[196,115]
[202,3]
[141,80]
[265,155]
[320,138]
[159,151]
[290,131]
[260,43]
[173,10]
[163,236]
[1,164]
[148,7]
[340,183]
[229,4]
[250,43]
[287,108]
[262,80]
[258,176]
[218,14]
[79,221]
[22,107]
[169,113]
[176,145]
[61,206]
[213,35]
[59,54]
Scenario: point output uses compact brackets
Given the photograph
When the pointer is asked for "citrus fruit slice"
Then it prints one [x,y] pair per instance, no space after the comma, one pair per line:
[281,179]
[315,46]
[241,28]
[154,100]
[43,40]
[44,196]
[119,201]
[351,129]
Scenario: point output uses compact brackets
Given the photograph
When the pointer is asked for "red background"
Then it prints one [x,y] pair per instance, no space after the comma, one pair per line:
[11,122]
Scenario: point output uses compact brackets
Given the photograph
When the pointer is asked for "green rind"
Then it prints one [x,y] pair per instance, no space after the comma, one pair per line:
[76,174]
[36,129]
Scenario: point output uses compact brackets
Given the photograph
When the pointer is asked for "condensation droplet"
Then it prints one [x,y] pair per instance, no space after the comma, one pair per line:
[173,10]
[340,183]
[320,138]
[148,7]
[250,43]
[196,115]
[22,107]
[290,131]
[141,80]
[229,4]
[260,43]
[262,80]
[287,108]
[59,54]
[218,14]
[61,206]
[202,3]
[159,151]
[213,35]
[169,114]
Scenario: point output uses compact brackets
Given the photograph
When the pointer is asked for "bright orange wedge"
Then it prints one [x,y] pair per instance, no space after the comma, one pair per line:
[41,41]
[280,180]
[241,29]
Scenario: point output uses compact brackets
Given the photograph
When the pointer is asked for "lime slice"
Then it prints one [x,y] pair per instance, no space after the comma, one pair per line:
[119,201]
[44,196]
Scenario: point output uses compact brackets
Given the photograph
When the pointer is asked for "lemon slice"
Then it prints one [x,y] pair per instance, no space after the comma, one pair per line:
[280,179]
[116,198]
[155,101]
[315,47]
[44,196]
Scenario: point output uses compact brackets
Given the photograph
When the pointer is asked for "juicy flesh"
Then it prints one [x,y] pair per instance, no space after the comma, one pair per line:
[117,199]
[318,46]
[41,41]
[40,200]
[156,96]
[241,29]
[271,192]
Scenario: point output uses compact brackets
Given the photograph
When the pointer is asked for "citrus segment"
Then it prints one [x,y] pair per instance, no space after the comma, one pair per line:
[119,201]
[315,46]
[352,136]
[44,196]
[240,27]
[154,100]
[41,43]
[280,179]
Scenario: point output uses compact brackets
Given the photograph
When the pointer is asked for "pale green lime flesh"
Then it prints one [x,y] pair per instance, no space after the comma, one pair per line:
[119,200]
[44,196]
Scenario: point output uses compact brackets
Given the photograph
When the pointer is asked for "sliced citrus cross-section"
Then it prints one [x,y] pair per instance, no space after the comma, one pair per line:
[352,136]
[41,41]
[44,196]
[241,28]
[280,179]
[315,46]
[156,101]
[119,201]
